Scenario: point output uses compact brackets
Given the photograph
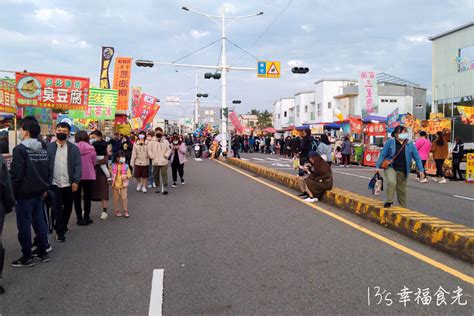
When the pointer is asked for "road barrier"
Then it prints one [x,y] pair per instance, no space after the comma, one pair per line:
[455,239]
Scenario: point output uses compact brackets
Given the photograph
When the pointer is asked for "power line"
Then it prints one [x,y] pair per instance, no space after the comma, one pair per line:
[244,50]
[196,51]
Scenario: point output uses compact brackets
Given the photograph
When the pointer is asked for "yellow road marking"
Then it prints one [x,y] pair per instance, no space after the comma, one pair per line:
[434,263]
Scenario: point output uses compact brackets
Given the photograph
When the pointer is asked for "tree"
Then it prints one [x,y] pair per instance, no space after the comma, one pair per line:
[264,119]
[254,112]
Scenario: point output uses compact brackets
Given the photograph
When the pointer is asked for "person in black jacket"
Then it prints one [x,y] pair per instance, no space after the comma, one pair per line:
[7,201]
[306,147]
[458,154]
[30,175]
[66,173]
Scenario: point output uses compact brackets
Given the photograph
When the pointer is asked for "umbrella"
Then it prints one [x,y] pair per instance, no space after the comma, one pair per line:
[269,130]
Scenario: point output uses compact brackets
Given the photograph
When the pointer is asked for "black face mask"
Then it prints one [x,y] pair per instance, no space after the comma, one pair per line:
[61,136]
[159,135]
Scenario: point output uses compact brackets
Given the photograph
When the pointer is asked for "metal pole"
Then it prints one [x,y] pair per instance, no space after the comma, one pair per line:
[224,86]
[196,104]
[452,103]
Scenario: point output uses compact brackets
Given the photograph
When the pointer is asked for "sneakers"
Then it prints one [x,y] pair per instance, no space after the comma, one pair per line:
[150,186]
[158,191]
[125,214]
[174,185]
[118,213]
[182,181]
[442,181]
[388,204]
[139,187]
[434,179]
[424,180]
[44,258]
[303,195]
[310,200]
[23,262]
[103,216]
[60,239]
[165,192]
[154,184]
[36,252]
[144,190]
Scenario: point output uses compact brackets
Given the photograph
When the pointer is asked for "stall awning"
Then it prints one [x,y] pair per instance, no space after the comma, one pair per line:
[333,126]
[269,130]
[303,127]
[370,118]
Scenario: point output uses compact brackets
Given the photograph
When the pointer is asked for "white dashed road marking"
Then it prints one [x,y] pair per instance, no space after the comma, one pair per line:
[198,159]
[156,296]
[464,197]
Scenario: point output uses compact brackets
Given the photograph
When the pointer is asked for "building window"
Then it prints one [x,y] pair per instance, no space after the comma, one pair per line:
[306,109]
[285,114]
[313,117]
[279,115]
[419,106]
[329,105]
[320,109]
[211,112]
[393,100]
[206,112]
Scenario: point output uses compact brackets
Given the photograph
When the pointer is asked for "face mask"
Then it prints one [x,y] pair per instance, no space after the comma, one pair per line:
[61,136]
[122,159]
[92,140]
[159,135]
[403,136]
[141,136]
[176,143]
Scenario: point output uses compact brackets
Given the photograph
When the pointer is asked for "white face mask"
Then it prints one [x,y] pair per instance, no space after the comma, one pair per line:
[122,159]
[141,136]
[176,143]
[92,140]
[403,136]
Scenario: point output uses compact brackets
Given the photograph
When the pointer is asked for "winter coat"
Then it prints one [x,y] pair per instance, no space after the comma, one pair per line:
[30,169]
[7,199]
[140,155]
[458,151]
[346,148]
[320,179]
[423,146]
[411,153]
[159,151]
[88,160]
[440,152]
[74,164]
[181,154]
[324,149]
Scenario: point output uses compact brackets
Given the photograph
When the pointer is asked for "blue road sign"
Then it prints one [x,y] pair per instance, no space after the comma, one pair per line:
[262,68]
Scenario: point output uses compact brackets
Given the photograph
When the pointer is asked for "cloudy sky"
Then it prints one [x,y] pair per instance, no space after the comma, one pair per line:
[333,38]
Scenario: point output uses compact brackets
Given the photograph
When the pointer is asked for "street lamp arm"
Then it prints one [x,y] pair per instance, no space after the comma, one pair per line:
[187,65]
[242,68]
[209,16]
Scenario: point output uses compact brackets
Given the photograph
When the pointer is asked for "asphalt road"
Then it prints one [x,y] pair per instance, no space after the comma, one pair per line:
[230,245]
[453,201]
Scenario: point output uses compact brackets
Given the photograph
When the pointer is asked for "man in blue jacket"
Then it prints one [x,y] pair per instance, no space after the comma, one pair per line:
[66,174]
[30,175]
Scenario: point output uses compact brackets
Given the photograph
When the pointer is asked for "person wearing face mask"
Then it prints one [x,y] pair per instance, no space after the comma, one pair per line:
[399,153]
[120,179]
[159,151]
[115,143]
[177,158]
[140,162]
[151,180]
[66,168]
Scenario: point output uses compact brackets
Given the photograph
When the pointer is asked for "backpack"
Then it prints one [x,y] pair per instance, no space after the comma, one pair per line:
[314,145]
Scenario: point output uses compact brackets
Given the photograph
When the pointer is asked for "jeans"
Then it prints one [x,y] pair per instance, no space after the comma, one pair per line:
[396,181]
[439,167]
[85,186]
[346,159]
[163,171]
[63,199]
[457,169]
[236,152]
[30,212]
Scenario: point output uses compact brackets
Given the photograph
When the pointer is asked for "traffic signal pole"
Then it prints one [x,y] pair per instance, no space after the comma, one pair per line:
[224,86]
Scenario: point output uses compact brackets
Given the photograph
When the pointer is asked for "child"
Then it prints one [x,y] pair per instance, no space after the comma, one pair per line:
[120,176]
[101,151]
[338,155]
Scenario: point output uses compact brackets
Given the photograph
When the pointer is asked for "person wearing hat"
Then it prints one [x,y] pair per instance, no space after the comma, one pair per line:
[320,179]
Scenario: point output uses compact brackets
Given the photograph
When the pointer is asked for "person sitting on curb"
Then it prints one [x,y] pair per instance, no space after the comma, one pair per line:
[320,180]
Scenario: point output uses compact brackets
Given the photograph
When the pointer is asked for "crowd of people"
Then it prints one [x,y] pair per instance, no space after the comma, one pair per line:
[62,172]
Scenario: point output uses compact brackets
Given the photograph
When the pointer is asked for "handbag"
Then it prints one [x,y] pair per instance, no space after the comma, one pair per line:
[376,184]
[387,162]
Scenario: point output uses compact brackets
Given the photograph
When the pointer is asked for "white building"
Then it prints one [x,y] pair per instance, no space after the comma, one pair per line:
[248,120]
[325,100]
[305,109]
[283,113]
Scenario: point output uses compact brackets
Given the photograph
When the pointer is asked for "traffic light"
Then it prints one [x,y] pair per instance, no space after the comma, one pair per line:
[202,95]
[144,63]
[236,102]
[224,113]
[209,75]
[299,70]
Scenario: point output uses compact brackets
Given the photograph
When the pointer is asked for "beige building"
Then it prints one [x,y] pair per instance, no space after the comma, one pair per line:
[248,120]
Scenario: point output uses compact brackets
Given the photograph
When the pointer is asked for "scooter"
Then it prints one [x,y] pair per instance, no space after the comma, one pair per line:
[197,150]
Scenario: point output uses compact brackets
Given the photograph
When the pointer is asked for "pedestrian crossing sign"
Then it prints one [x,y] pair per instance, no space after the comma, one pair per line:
[268,69]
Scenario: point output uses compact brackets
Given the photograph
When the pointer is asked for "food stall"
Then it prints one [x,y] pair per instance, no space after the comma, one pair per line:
[375,135]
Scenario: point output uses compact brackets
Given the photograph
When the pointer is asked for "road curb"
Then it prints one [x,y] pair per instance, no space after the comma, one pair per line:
[455,239]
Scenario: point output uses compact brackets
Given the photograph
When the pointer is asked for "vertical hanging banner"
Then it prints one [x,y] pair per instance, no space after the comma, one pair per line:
[146,109]
[235,121]
[7,96]
[368,96]
[356,125]
[122,74]
[136,92]
[392,120]
[102,104]
[52,91]
[107,55]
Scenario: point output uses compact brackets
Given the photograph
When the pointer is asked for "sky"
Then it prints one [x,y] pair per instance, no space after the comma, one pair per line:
[333,38]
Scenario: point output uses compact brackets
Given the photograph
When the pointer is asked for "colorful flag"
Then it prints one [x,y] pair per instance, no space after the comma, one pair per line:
[136,93]
[235,121]
[356,125]
[467,114]
[122,75]
[52,91]
[107,55]
[7,96]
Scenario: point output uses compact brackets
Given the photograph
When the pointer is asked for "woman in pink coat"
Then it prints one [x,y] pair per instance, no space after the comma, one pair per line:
[177,158]
[423,145]
[88,160]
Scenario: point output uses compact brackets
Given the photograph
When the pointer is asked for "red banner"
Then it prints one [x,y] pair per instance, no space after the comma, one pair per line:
[136,93]
[52,91]
[235,121]
[7,97]
[122,74]
[146,109]
[356,125]
[371,155]
[376,129]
